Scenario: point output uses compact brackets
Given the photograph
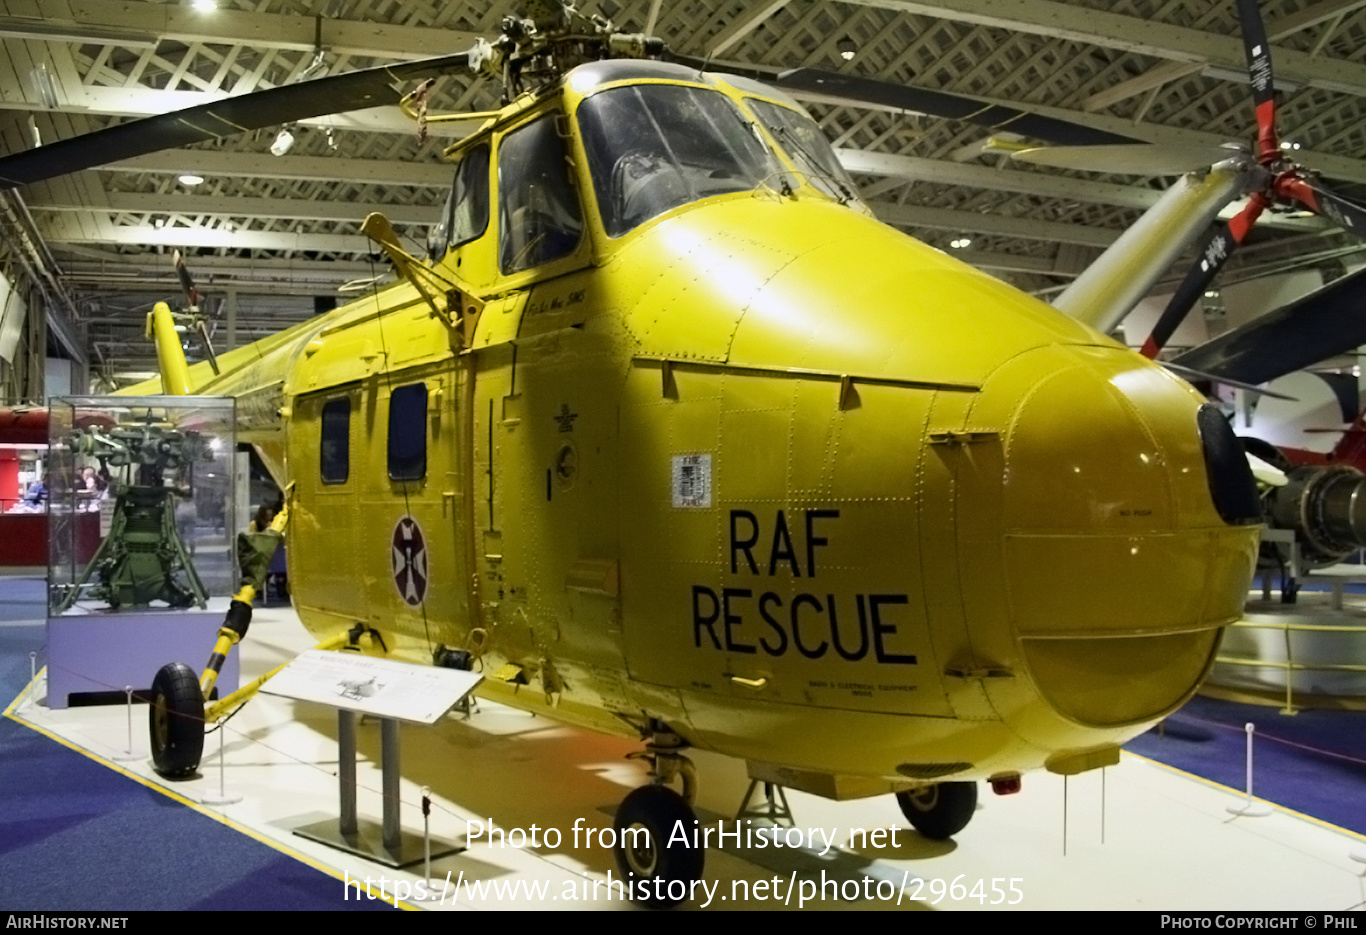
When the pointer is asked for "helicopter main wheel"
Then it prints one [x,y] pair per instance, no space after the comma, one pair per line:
[940,811]
[663,873]
[176,721]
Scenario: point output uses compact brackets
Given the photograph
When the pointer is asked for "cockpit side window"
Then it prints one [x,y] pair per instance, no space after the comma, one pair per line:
[466,213]
[655,147]
[539,218]
[803,141]
[470,197]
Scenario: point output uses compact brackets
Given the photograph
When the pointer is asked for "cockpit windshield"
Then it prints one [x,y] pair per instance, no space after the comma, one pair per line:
[803,141]
[655,147]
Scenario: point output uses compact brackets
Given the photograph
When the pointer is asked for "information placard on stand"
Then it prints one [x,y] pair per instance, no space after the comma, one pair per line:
[393,692]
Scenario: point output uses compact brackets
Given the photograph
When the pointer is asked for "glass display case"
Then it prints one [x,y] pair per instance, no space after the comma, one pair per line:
[141,503]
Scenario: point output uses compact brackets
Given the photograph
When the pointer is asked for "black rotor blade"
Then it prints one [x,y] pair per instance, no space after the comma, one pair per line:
[1218,246]
[1258,51]
[944,104]
[334,94]
[1320,325]
[1346,214]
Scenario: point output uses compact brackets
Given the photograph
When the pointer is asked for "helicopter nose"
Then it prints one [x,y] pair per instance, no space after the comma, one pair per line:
[1127,512]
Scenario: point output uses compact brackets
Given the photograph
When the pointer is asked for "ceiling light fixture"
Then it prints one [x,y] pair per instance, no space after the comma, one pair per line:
[958,243]
[204,6]
[284,142]
[191,180]
[847,49]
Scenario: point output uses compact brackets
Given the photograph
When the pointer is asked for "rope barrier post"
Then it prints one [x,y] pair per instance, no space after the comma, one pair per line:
[222,796]
[32,678]
[1289,708]
[127,755]
[436,889]
[1250,808]
[427,832]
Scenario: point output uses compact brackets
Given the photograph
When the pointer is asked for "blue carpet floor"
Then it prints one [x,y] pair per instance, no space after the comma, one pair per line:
[75,835]
[1313,762]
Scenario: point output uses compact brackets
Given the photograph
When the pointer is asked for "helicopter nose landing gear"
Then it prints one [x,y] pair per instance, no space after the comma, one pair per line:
[940,811]
[656,850]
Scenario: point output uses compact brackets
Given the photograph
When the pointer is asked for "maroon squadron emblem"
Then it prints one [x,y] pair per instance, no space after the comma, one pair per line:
[409,560]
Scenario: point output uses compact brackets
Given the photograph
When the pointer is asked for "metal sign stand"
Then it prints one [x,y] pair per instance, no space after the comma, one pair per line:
[392,692]
[386,843]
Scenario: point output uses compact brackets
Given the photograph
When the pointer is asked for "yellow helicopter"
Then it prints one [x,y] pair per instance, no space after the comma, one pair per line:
[671,439]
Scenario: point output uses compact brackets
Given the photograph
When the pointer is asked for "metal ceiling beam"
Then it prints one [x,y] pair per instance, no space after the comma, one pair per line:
[85,227]
[969,175]
[105,21]
[220,206]
[1154,77]
[971,222]
[1112,30]
[974,175]
[743,26]
[79,227]
[211,163]
[1007,263]
[85,264]
[1333,166]
[1310,16]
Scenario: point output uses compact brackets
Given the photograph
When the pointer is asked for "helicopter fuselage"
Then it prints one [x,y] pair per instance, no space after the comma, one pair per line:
[734,458]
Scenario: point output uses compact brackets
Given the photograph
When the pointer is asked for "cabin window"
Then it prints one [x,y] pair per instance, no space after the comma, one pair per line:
[335,449]
[655,147]
[538,211]
[810,152]
[408,432]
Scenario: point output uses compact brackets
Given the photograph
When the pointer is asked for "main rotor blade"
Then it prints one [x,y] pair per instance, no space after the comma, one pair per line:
[1188,374]
[1320,325]
[334,94]
[1258,51]
[1321,199]
[1218,246]
[855,89]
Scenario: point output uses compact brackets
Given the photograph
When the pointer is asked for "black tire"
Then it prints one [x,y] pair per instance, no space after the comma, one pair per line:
[175,721]
[656,811]
[940,811]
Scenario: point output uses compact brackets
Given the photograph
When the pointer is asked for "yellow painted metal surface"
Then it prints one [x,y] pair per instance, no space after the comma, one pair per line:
[768,472]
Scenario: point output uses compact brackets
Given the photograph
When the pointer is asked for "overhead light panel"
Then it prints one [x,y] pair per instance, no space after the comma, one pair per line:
[284,142]
[44,86]
[191,180]
[204,6]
